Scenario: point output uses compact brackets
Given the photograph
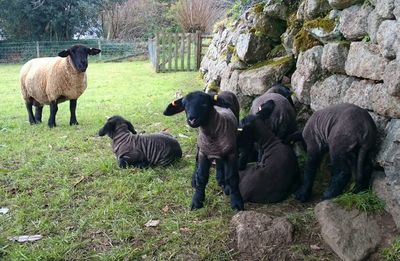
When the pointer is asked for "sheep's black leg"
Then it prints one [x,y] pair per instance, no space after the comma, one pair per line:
[202,174]
[221,178]
[28,105]
[72,109]
[232,180]
[53,112]
[38,113]
[310,170]
[341,175]
[364,170]
[194,175]
[244,155]
[126,162]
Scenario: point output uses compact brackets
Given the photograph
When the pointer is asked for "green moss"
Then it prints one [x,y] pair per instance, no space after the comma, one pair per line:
[277,61]
[366,201]
[231,48]
[212,86]
[326,24]
[304,41]
[277,51]
[258,8]
[220,25]
[392,253]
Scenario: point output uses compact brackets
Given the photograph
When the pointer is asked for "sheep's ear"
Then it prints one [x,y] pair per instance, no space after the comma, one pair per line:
[174,107]
[130,127]
[93,51]
[107,129]
[220,101]
[64,53]
[266,109]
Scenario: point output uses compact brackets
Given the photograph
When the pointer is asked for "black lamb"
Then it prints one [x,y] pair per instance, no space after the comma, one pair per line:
[282,123]
[348,133]
[274,177]
[217,124]
[140,151]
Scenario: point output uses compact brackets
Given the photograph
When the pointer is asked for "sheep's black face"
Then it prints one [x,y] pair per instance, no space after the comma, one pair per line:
[79,56]
[197,107]
[114,123]
[246,131]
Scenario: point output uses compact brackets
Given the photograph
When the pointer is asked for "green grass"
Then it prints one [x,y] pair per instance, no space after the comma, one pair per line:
[366,201]
[392,253]
[64,183]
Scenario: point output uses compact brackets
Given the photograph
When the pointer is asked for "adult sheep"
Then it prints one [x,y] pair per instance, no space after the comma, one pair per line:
[52,80]
[274,177]
[217,125]
[348,133]
[141,151]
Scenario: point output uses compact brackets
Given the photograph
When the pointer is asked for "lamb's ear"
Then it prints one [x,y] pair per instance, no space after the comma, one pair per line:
[266,109]
[93,51]
[217,100]
[130,127]
[174,107]
[107,129]
[64,53]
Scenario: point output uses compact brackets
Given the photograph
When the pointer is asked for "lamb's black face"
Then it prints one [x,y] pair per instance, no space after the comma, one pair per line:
[79,56]
[197,107]
[246,131]
[113,123]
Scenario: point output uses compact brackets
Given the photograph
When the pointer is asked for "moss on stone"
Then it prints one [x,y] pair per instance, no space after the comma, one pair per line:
[212,86]
[220,25]
[231,48]
[277,51]
[258,8]
[324,23]
[304,41]
[275,62]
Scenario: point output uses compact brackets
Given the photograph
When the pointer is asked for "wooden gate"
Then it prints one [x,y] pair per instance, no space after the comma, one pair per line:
[172,52]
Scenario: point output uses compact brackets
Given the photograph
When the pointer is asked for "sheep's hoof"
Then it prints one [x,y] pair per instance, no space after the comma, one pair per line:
[227,190]
[73,123]
[196,205]
[237,204]
[301,196]
[52,125]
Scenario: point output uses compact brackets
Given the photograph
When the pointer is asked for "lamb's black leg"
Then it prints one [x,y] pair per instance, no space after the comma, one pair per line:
[232,180]
[194,175]
[202,174]
[28,105]
[126,162]
[38,113]
[53,112]
[244,155]
[364,170]
[220,173]
[72,109]
[310,170]
[341,175]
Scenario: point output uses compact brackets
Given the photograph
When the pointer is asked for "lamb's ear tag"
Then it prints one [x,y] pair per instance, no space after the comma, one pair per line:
[259,108]
[215,97]
[240,129]
[173,103]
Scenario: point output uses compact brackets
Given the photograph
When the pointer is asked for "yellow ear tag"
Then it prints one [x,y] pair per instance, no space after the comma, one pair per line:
[215,97]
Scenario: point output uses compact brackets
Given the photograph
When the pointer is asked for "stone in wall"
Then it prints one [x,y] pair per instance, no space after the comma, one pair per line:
[359,93]
[276,10]
[253,82]
[365,60]
[311,9]
[342,4]
[353,22]
[383,103]
[396,10]
[329,91]
[334,57]
[308,71]
[251,48]
[374,20]
[385,8]
[388,38]
[392,78]
[230,80]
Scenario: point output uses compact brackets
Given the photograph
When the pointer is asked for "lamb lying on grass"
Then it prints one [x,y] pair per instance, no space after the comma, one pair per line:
[53,80]
[217,125]
[349,134]
[140,151]
[274,177]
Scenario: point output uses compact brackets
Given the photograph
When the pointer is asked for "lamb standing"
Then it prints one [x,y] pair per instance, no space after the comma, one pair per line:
[217,125]
[275,175]
[140,151]
[53,80]
[349,134]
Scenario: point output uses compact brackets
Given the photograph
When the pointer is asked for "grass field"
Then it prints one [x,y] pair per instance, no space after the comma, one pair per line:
[65,185]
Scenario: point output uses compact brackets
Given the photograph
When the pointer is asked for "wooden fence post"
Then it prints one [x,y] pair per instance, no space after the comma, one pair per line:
[37,49]
[182,51]
[198,49]
[99,44]
[176,51]
[157,42]
[189,35]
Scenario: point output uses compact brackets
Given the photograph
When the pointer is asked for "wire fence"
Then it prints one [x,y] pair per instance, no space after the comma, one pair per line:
[20,52]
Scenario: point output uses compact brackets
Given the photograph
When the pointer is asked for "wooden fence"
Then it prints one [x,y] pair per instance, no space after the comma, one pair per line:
[172,52]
